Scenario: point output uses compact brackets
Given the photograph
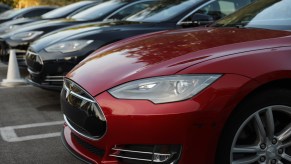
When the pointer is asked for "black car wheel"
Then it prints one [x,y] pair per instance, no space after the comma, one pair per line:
[259,131]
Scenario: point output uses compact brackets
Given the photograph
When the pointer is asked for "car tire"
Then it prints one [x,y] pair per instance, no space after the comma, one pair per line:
[259,130]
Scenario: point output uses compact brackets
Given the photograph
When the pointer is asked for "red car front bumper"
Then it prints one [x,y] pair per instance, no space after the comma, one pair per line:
[194,124]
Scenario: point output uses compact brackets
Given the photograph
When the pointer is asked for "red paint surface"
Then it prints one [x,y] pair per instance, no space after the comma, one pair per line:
[247,58]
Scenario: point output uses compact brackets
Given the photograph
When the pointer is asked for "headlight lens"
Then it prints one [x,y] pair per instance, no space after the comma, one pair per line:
[26,36]
[10,28]
[164,89]
[4,28]
[69,46]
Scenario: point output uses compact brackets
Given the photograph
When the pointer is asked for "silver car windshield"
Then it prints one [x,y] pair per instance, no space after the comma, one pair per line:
[268,14]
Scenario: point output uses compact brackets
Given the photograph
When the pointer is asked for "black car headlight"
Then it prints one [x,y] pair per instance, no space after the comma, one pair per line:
[69,46]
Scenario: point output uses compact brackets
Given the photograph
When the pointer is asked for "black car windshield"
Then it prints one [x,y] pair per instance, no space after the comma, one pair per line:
[99,10]
[268,14]
[63,11]
[164,10]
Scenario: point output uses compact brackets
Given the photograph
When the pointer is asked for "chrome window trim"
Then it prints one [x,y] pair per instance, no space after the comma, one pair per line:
[180,22]
[126,6]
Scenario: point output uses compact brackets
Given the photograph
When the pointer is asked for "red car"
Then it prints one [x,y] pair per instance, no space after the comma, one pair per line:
[220,94]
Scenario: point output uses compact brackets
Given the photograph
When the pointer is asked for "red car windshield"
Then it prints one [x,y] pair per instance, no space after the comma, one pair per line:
[268,14]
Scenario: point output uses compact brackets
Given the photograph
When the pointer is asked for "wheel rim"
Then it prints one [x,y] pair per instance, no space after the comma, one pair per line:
[264,137]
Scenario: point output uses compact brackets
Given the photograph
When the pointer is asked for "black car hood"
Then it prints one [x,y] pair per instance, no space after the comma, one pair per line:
[20,21]
[82,31]
[44,24]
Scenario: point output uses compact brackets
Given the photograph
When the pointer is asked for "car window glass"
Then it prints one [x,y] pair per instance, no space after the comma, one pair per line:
[269,14]
[63,11]
[220,8]
[2,9]
[35,13]
[98,11]
[163,10]
[130,10]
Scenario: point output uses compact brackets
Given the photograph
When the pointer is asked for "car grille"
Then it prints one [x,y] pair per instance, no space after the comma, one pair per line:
[20,55]
[53,80]
[89,147]
[81,112]
[34,62]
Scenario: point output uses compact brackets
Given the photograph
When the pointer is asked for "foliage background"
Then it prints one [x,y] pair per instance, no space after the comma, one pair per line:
[27,3]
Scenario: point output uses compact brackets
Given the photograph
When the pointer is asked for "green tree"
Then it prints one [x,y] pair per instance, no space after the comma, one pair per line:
[11,3]
[57,2]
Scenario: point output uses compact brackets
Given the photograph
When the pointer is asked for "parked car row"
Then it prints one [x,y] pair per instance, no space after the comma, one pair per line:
[29,12]
[4,7]
[53,56]
[19,38]
[47,63]
[142,83]
[58,13]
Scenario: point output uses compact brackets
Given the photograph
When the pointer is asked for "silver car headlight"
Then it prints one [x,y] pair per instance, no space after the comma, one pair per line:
[4,27]
[26,36]
[68,46]
[164,89]
[10,28]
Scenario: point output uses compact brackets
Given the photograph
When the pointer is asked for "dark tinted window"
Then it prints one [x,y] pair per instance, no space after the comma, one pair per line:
[269,14]
[64,11]
[3,8]
[26,12]
[129,10]
[220,8]
[35,13]
[99,10]
[164,10]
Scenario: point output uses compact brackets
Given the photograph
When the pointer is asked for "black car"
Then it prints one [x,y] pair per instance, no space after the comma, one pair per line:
[51,57]
[4,7]
[20,38]
[58,13]
[24,13]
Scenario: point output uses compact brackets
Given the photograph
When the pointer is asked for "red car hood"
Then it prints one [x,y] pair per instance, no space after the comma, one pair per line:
[166,53]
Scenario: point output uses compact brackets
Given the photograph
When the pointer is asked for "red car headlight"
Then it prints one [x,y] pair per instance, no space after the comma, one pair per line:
[164,89]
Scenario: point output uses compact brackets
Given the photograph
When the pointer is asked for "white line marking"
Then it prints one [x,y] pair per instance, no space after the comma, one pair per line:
[8,133]
[19,86]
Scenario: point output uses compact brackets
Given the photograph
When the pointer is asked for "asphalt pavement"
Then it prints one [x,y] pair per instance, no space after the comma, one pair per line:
[30,125]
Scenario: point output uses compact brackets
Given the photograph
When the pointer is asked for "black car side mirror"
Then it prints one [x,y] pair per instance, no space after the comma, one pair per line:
[201,19]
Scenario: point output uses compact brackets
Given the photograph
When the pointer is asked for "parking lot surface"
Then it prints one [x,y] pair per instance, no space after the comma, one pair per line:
[30,125]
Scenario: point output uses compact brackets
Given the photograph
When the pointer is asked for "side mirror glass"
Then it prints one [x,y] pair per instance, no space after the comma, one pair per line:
[201,19]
